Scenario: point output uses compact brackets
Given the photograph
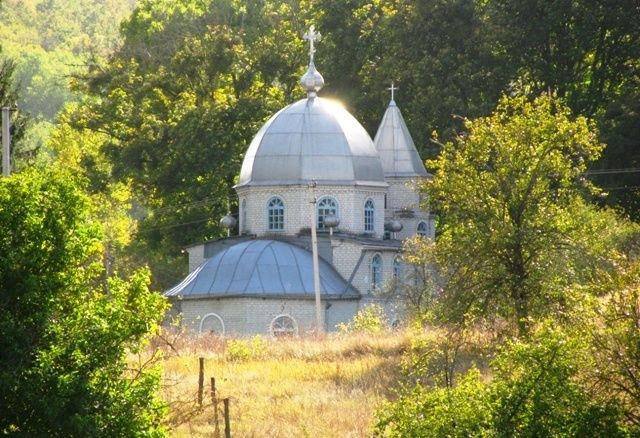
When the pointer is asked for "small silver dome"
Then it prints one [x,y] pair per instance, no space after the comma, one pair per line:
[228,221]
[312,81]
[331,221]
[393,226]
[312,139]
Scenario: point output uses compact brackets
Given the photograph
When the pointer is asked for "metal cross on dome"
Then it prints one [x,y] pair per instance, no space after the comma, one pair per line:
[312,36]
[392,88]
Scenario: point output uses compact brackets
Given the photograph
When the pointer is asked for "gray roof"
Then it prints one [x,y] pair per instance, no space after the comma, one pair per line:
[396,148]
[312,139]
[261,268]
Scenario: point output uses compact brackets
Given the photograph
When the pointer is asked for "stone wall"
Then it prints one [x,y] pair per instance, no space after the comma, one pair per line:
[249,316]
[298,209]
[404,203]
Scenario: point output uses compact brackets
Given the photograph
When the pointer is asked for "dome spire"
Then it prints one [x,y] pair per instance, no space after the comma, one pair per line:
[312,80]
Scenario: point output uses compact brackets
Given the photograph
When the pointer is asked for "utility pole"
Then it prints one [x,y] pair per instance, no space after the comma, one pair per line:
[6,141]
[316,264]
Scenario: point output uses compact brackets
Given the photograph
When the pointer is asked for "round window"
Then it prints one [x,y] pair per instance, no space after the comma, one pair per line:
[284,326]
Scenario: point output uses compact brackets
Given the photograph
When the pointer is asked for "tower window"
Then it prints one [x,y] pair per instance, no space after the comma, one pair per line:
[243,216]
[326,206]
[422,229]
[376,271]
[397,268]
[369,215]
[275,214]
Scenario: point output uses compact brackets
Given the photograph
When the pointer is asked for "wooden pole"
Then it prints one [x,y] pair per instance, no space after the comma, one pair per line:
[214,401]
[316,265]
[227,422]
[201,381]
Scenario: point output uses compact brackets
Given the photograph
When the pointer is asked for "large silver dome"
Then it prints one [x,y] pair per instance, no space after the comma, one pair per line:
[312,139]
[262,268]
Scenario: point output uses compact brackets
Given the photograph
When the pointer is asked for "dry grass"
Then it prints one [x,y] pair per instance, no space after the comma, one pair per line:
[315,387]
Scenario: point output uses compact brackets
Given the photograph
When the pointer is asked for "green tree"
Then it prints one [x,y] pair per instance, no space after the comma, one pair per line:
[612,324]
[179,104]
[510,197]
[67,333]
[535,389]
[589,53]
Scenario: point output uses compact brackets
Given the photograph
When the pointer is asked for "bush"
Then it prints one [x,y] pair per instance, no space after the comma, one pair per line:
[534,391]
[441,412]
[241,350]
[369,319]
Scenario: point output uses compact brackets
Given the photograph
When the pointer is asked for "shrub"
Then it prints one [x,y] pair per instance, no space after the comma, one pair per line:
[534,391]
[369,319]
[241,350]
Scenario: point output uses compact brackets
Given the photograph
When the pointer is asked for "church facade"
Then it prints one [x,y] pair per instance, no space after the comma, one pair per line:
[312,161]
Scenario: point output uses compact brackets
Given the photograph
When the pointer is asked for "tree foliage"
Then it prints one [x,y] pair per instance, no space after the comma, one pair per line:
[67,332]
[535,390]
[179,104]
[510,197]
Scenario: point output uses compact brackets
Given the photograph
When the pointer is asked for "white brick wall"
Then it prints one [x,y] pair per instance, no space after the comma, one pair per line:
[403,195]
[347,253]
[298,209]
[248,316]
[196,256]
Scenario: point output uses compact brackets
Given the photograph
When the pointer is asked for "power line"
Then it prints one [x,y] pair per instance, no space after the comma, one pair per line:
[612,171]
[162,227]
[621,188]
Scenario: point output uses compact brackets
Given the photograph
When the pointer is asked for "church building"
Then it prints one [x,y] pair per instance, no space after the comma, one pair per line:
[312,161]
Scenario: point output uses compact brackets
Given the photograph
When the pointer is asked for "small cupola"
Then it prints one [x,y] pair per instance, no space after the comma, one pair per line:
[395,146]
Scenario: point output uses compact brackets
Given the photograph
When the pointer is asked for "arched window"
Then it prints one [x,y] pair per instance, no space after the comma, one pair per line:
[284,326]
[243,216]
[422,229]
[397,268]
[212,323]
[275,214]
[376,271]
[369,215]
[326,206]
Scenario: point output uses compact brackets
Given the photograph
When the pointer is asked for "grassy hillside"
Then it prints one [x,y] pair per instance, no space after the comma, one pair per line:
[299,387]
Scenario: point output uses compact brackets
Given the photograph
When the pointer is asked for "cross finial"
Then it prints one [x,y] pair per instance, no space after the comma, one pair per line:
[393,88]
[312,36]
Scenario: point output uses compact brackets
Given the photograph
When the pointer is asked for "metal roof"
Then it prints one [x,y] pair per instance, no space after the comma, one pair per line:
[312,139]
[261,268]
[397,151]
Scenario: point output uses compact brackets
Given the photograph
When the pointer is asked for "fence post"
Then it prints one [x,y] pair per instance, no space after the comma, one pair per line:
[201,381]
[227,423]
[214,401]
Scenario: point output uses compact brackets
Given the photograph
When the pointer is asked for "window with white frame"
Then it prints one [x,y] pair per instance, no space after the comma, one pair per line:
[422,229]
[212,323]
[284,326]
[326,206]
[369,215]
[376,271]
[275,214]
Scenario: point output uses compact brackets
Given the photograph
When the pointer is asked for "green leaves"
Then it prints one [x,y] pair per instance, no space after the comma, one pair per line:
[67,332]
[533,390]
[510,196]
